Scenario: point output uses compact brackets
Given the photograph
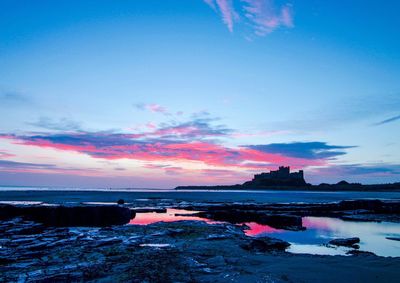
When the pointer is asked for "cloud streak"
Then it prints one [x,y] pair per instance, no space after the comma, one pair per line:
[307,150]
[386,121]
[62,124]
[265,17]
[261,15]
[13,98]
[27,167]
[358,171]
[153,107]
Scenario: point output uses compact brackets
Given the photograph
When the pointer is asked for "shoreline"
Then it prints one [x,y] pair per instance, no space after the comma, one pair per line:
[395,187]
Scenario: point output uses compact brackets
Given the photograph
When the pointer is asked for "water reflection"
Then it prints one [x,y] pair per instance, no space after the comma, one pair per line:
[319,231]
[171,215]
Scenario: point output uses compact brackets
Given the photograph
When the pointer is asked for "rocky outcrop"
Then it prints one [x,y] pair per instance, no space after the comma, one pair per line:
[393,238]
[265,244]
[360,253]
[345,242]
[59,215]
[285,214]
[279,221]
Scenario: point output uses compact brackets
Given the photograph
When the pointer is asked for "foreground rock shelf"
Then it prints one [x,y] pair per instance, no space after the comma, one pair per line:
[35,247]
[59,215]
[184,251]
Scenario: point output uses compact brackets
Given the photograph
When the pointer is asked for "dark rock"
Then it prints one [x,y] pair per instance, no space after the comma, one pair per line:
[213,237]
[26,229]
[216,261]
[58,243]
[120,202]
[357,252]
[266,244]
[279,221]
[35,246]
[6,260]
[22,241]
[90,215]
[360,204]
[149,209]
[175,232]
[393,238]
[346,242]
[107,242]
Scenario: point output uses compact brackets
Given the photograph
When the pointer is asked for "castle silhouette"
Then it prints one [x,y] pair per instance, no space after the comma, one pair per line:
[280,177]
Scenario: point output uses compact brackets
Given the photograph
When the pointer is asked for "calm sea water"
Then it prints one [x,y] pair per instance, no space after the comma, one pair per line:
[78,195]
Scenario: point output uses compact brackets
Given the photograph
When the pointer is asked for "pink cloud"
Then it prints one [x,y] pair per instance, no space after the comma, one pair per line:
[228,13]
[264,16]
[210,3]
[156,108]
[5,154]
[287,16]
[261,15]
[119,146]
[151,125]
[153,107]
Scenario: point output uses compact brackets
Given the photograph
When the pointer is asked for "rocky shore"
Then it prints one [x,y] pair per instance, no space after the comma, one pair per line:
[33,249]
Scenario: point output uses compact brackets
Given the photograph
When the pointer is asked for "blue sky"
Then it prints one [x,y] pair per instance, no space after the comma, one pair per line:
[161,93]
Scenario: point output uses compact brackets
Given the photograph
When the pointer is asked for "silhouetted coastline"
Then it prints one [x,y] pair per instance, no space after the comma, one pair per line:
[283,179]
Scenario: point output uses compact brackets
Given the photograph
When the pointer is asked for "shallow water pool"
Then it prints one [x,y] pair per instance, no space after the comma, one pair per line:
[313,240]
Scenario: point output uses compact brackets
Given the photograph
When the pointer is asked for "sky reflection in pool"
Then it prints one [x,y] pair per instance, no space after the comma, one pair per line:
[313,240]
[169,216]
[320,230]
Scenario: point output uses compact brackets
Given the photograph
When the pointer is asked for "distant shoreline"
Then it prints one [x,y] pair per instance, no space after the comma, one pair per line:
[395,187]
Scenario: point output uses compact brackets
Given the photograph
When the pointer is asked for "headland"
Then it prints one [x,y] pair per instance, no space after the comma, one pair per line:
[283,179]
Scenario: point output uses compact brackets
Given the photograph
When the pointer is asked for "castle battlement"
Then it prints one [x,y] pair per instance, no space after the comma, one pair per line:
[280,177]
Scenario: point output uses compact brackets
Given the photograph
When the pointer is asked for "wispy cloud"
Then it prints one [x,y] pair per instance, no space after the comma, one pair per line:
[27,167]
[8,98]
[263,16]
[337,114]
[307,150]
[5,154]
[351,170]
[23,165]
[152,107]
[390,120]
[62,124]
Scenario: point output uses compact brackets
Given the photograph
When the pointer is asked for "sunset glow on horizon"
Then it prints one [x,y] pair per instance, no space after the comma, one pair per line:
[156,94]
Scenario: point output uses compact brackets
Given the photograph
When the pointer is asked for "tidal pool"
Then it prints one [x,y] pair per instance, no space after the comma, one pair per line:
[314,240]
[172,215]
[320,230]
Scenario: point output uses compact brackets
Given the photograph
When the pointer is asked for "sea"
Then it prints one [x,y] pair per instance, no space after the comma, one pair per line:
[63,195]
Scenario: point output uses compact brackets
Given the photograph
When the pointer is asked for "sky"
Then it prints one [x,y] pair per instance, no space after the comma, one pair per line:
[156,94]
